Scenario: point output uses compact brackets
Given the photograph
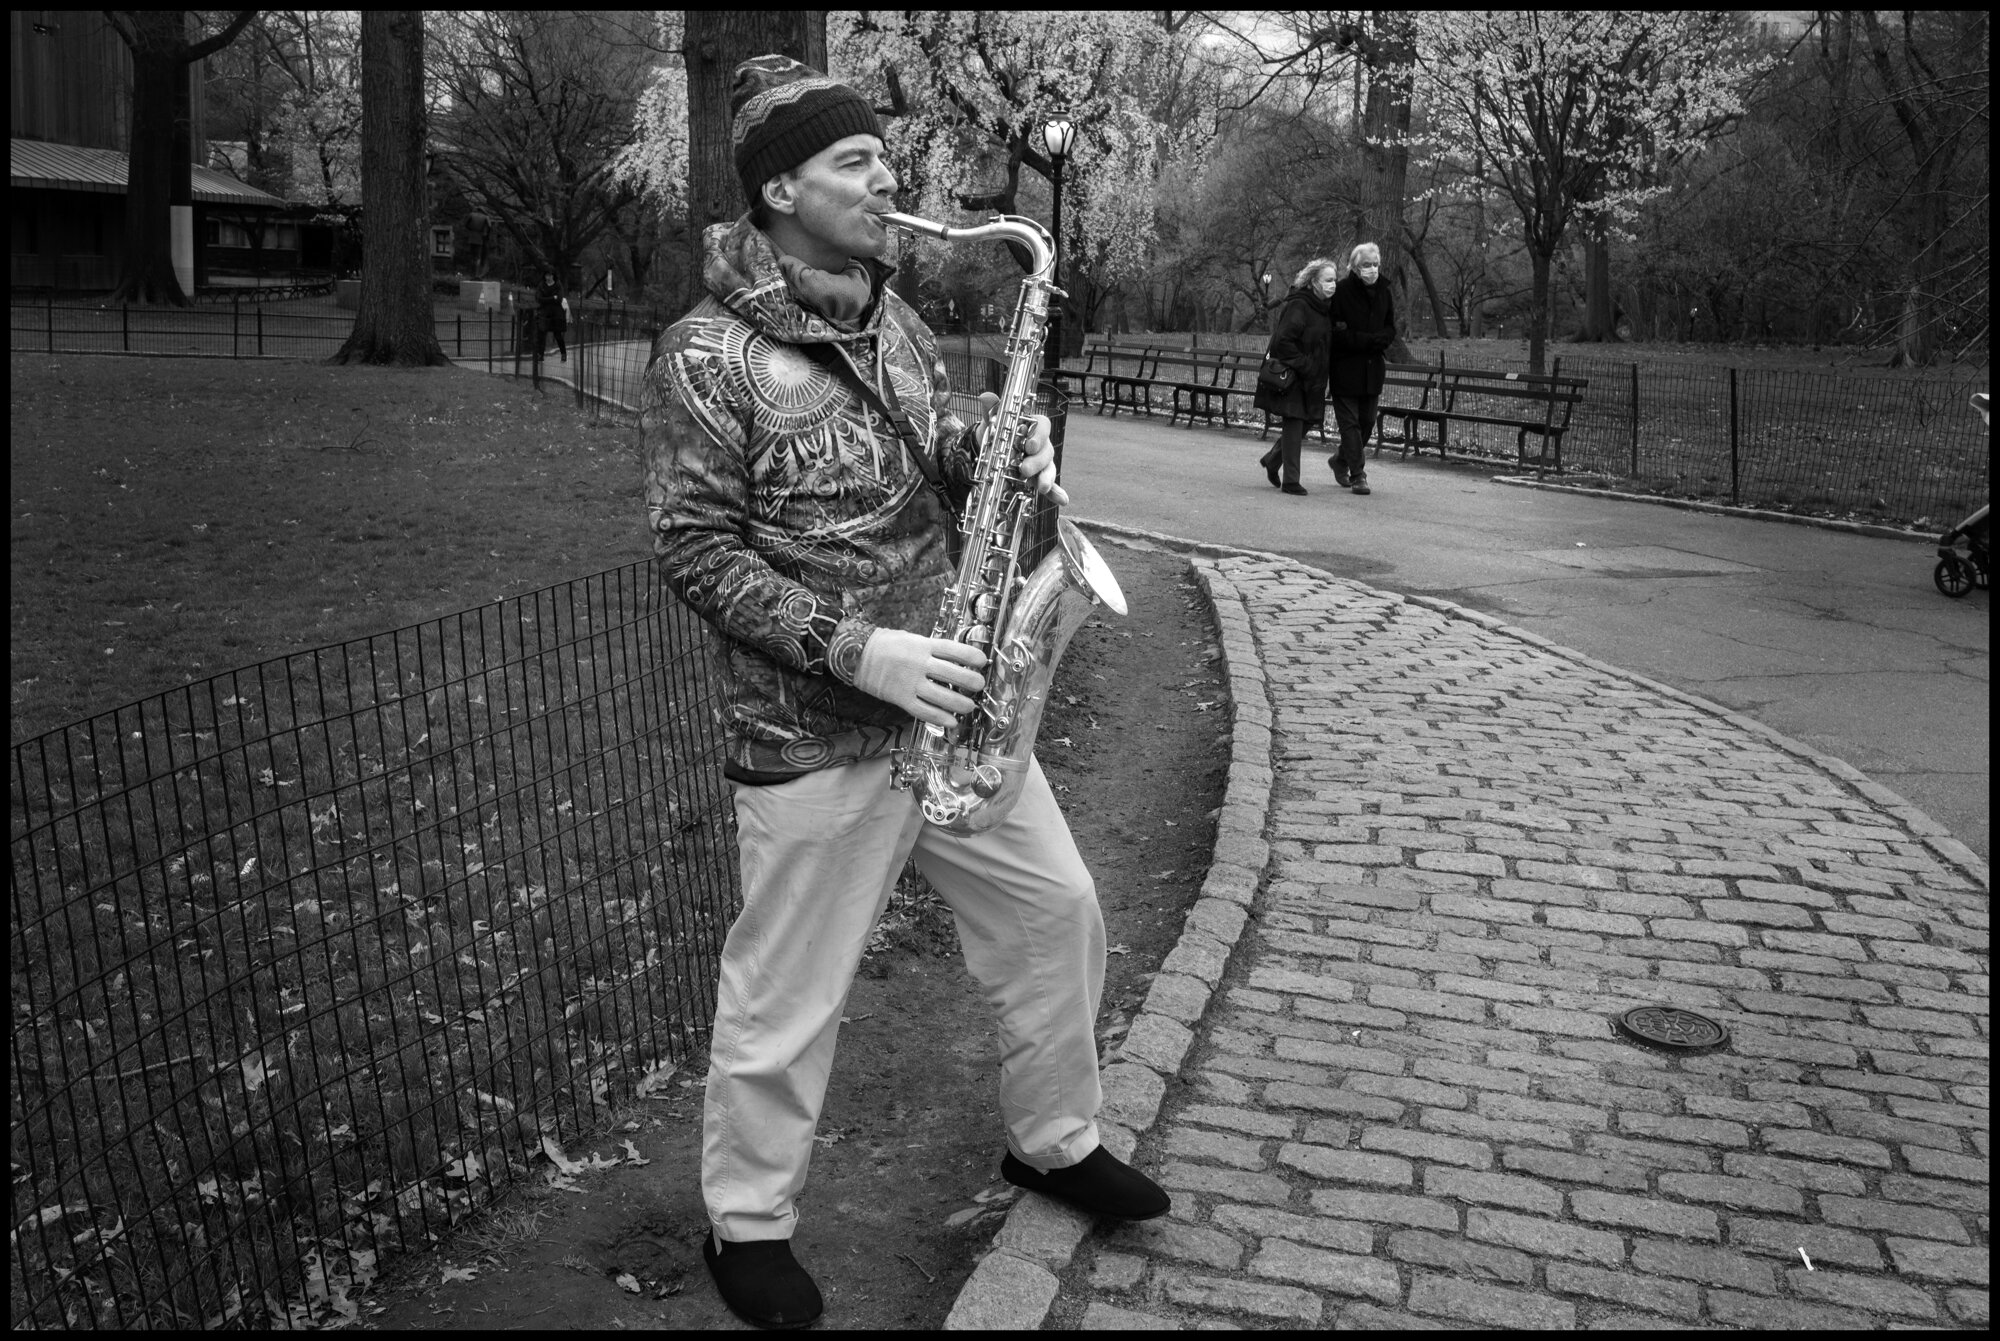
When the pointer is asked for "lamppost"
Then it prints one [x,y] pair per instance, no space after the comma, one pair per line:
[1057,137]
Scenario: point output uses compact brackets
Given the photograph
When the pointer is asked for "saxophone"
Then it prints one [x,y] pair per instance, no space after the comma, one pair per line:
[967,777]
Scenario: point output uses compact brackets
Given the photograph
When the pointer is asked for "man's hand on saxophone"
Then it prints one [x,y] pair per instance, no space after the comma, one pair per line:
[1038,460]
[922,676]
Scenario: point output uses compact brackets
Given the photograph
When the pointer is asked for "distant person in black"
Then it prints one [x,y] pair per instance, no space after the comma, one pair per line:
[554,318]
[1364,326]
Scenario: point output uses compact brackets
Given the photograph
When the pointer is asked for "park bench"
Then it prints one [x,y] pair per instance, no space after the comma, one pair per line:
[1213,376]
[1100,355]
[1134,390]
[1528,403]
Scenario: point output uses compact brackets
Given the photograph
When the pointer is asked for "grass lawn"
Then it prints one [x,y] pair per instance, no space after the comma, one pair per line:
[174,518]
[306,959]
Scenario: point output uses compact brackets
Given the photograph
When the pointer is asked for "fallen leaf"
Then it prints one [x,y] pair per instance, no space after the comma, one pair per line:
[458,1273]
[655,1079]
[1119,950]
[632,1154]
[558,1158]
[628,1282]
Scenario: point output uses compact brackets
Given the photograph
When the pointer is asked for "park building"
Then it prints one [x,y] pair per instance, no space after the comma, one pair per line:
[70,91]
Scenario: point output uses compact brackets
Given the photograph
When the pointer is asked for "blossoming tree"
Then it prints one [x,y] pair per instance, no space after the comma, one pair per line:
[1570,114]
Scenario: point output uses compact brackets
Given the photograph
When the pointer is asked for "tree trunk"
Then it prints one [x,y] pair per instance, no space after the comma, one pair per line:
[394,324]
[1477,325]
[1440,322]
[1538,309]
[1389,49]
[157,38]
[1599,317]
[716,42]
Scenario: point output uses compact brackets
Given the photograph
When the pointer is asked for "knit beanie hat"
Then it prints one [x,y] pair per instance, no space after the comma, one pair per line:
[785,113]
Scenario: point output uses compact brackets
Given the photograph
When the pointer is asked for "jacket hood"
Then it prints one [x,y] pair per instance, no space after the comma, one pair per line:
[1323,306]
[740,269]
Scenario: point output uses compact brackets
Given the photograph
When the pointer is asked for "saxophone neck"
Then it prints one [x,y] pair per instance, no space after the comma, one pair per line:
[1000,228]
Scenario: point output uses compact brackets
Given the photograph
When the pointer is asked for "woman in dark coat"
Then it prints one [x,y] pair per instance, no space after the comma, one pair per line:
[1300,341]
[1364,326]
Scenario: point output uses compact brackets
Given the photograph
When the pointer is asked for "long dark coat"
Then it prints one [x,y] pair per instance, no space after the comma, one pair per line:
[1300,340]
[1364,325]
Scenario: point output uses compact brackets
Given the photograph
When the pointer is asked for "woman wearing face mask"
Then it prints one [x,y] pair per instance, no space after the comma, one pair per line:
[1299,341]
[1364,326]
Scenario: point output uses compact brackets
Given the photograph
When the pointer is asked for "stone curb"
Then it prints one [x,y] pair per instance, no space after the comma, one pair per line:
[1725,509]
[1015,1283]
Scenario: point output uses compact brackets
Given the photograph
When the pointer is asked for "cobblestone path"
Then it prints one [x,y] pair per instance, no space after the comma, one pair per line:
[1403,1101]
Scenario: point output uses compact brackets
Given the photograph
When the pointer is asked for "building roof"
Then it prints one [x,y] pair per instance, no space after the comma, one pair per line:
[68,167]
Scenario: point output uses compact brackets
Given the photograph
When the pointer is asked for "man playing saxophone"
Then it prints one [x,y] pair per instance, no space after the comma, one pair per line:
[790,510]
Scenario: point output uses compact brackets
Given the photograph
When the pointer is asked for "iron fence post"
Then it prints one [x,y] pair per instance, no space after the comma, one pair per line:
[1635,423]
[235,323]
[260,330]
[51,321]
[1734,490]
[125,322]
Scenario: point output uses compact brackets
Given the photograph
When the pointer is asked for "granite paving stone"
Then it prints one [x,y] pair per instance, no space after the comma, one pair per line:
[1406,1100]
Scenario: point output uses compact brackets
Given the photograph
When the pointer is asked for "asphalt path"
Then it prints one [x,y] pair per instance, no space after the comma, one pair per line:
[1835,639]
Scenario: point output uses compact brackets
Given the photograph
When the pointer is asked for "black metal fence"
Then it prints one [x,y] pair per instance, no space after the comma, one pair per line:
[248,329]
[309,958]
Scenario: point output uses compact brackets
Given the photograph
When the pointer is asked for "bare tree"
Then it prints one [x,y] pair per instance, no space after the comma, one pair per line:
[1937,84]
[394,324]
[160,173]
[541,109]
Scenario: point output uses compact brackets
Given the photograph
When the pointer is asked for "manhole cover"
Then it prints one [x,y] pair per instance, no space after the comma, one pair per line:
[1672,1027]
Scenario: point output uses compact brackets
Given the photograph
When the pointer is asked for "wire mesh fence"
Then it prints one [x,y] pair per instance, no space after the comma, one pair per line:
[309,957]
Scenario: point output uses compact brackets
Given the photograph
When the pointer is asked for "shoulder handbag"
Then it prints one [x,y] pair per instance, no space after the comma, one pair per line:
[1276,376]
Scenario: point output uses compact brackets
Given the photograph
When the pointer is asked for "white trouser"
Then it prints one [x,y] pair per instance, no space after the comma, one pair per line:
[820,855]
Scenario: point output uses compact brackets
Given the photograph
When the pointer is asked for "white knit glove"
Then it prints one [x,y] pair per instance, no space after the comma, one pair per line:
[916,673]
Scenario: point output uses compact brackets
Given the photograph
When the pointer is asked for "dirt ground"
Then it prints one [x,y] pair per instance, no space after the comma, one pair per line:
[905,1192]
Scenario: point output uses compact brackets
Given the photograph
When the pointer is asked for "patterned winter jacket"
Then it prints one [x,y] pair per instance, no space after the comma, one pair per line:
[785,513]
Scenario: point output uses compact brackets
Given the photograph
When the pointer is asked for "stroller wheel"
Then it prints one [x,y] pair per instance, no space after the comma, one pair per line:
[1979,576]
[1952,577]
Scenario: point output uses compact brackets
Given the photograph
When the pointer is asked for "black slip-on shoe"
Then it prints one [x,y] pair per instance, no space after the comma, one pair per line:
[1360,484]
[1339,471]
[1102,1184]
[762,1283]
[1271,474]
[1297,489]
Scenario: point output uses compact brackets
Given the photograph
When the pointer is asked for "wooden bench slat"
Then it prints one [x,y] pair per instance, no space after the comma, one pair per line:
[1552,392]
